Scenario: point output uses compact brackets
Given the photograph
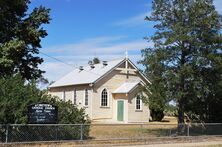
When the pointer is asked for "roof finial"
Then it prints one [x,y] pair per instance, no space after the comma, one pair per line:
[126,54]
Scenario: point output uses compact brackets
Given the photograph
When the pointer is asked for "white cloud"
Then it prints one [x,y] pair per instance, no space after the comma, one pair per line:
[84,46]
[218,5]
[133,21]
[76,54]
[55,70]
[98,46]
[138,20]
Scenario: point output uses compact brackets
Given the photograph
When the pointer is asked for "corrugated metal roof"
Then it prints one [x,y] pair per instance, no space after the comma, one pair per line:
[126,87]
[87,75]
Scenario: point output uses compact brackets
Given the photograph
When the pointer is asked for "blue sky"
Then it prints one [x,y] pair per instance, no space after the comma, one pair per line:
[82,29]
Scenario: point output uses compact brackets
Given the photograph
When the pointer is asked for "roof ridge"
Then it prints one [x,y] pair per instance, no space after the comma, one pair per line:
[86,65]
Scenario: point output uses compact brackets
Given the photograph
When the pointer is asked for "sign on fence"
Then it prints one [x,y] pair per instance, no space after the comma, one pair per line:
[42,113]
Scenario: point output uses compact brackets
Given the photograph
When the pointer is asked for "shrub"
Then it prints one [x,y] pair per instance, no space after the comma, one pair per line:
[157,115]
[16,94]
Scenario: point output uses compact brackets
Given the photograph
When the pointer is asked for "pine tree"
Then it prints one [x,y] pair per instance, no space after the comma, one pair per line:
[187,54]
[20,37]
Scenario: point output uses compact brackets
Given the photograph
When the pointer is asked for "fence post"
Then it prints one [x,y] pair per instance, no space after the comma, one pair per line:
[57,132]
[81,132]
[141,130]
[6,134]
[188,129]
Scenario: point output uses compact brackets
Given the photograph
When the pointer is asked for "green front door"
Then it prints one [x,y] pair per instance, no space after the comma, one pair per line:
[120,110]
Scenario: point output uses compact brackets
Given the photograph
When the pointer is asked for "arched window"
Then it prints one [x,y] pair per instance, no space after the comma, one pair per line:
[104,98]
[138,103]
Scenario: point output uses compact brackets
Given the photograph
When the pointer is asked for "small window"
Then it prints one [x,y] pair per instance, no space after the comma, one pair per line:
[64,95]
[86,97]
[138,103]
[104,98]
[74,97]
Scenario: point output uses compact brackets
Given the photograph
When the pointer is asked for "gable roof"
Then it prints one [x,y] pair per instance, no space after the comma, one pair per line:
[87,75]
[127,87]
[90,75]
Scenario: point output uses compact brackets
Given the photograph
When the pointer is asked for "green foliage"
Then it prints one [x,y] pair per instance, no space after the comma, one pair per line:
[68,113]
[95,60]
[157,115]
[16,94]
[170,110]
[20,37]
[185,64]
[154,69]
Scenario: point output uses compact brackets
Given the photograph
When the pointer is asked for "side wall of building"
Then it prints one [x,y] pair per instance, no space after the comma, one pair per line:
[80,96]
[135,115]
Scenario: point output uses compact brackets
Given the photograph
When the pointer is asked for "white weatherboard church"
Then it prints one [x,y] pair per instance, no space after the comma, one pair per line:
[108,91]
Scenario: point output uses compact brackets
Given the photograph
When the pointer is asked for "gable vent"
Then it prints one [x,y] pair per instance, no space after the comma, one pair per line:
[105,63]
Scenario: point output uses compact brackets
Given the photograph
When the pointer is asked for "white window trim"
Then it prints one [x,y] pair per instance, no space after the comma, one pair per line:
[101,98]
[64,95]
[84,98]
[141,104]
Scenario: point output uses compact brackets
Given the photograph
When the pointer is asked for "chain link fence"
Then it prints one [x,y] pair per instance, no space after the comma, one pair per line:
[58,132]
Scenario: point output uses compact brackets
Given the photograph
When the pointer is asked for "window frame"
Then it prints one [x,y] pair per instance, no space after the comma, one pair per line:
[64,95]
[107,97]
[140,103]
[74,97]
[86,90]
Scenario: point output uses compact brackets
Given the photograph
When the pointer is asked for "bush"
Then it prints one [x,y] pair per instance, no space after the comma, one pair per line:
[157,115]
[16,94]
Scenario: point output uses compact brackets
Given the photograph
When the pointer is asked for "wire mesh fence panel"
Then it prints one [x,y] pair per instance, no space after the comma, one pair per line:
[131,131]
[205,129]
[3,133]
[68,132]
[115,131]
[158,130]
[58,132]
[28,133]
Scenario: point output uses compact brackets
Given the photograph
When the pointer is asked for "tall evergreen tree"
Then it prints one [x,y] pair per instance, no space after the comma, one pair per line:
[185,62]
[20,37]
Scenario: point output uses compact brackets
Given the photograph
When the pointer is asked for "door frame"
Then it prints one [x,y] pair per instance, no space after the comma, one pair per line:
[123,110]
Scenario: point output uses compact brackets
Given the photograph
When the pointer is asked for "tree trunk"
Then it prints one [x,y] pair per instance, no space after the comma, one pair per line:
[181,101]
[181,124]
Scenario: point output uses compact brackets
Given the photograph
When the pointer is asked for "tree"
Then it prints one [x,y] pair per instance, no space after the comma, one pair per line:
[20,37]
[187,50]
[96,60]
[16,94]
[154,69]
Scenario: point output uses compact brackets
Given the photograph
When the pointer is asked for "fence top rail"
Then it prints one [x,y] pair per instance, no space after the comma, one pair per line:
[112,124]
